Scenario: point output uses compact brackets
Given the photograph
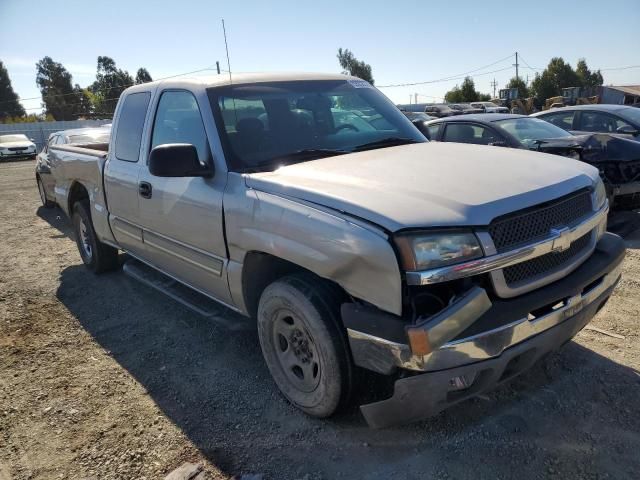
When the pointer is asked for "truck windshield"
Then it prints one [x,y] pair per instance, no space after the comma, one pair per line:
[266,125]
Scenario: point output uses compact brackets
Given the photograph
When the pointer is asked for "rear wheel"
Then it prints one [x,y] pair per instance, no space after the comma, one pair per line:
[304,344]
[43,194]
[96,255]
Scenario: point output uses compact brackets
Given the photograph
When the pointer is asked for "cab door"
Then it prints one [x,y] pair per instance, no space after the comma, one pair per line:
[182,217]
[122,171]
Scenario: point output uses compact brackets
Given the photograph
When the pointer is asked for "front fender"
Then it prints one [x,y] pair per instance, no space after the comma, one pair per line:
[357,257]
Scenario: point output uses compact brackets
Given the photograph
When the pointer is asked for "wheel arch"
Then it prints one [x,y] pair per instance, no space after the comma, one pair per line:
[77,193]
[261,269]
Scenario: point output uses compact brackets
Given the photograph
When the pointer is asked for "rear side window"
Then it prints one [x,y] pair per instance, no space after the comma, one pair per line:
[130,124]
[560,119]
[468,133]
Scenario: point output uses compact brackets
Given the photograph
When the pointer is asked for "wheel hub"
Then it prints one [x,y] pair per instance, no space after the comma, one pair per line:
[296,352]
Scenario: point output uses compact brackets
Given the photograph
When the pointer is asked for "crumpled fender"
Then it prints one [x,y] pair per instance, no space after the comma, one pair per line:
[356,256]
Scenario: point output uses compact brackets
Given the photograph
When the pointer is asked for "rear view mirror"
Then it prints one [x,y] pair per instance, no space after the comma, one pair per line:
[177,160]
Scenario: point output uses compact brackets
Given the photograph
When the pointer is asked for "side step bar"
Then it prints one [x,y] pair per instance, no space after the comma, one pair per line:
[193,300]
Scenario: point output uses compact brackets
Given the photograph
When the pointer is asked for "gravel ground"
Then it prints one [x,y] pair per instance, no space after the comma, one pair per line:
[101,377]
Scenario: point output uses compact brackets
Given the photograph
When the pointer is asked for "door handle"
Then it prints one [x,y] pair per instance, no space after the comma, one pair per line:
[145,189]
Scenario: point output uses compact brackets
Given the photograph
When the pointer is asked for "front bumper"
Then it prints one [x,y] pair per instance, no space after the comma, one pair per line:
[19,154]
[626,196]
[504,341]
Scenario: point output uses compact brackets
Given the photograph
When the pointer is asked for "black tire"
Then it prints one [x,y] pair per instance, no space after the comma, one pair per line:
[97,256]
[43,196]
[304,343]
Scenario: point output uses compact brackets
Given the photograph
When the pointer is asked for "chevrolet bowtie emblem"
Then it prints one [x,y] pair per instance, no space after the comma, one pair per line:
[563,240]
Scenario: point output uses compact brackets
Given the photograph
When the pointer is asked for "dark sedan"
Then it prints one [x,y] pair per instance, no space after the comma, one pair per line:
[618,119]
[617,158]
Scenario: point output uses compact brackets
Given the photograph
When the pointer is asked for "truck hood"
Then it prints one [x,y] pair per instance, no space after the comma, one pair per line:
[428,184]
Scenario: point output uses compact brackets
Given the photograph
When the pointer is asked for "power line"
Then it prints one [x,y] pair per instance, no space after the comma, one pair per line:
[111,88]
[444,79]
[619,68]
[452,77]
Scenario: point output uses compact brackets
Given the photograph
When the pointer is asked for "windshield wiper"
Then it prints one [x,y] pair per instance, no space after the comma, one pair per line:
[385,142]
[303,155]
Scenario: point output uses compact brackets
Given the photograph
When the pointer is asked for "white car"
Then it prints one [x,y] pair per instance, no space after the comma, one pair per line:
[490,107]
[16,146]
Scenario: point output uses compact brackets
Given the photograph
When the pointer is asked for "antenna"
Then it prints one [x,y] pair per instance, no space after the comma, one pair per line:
[224,30]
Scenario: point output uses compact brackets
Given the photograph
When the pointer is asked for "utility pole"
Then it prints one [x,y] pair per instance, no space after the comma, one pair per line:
[494,84]
[516,65]
[218,66]
[416,97]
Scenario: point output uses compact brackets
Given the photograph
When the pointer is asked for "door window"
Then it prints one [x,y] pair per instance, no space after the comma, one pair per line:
[600,122]
[130,125]
[469,133]
[178,120]
[560,119]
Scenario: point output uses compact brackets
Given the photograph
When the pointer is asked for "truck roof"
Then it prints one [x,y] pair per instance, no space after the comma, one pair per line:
[241,78]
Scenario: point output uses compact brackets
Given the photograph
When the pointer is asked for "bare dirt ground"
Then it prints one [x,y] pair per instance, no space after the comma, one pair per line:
[101,377]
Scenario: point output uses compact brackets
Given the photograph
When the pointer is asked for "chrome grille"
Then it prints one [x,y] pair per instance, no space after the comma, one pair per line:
[533,224]
[545,264]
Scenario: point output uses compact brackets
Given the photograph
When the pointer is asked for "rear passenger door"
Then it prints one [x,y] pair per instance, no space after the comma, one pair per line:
[182,217]
[122,171]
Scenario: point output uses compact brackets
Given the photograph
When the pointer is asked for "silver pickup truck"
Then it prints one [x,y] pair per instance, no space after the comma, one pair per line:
[310,203]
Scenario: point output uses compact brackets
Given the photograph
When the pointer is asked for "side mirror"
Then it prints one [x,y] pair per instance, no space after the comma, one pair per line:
[177,160]
[628,129]
[420,125]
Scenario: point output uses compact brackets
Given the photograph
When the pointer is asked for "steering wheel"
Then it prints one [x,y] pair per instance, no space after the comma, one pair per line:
[347,125]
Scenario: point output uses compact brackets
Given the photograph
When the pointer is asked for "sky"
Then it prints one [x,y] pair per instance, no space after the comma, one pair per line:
[403,41]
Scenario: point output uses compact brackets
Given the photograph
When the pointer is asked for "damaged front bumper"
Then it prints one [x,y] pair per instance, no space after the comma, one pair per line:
[625,196]
[493,342]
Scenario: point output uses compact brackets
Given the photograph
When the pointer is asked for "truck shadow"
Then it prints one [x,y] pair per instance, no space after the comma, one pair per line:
[213,384]
[58,220]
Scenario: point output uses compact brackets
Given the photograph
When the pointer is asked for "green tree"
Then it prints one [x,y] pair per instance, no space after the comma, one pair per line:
[586,77]
[352,66]
[110,83]
[553,79]
[85,101]
[517,82]
[59,97]
[9,101]
[465,93]
[143,76]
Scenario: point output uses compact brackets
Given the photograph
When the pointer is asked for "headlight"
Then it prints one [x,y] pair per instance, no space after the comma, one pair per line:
[422,251]
[599,194]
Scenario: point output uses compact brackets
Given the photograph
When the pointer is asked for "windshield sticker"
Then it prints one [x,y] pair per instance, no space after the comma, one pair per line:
[359,84]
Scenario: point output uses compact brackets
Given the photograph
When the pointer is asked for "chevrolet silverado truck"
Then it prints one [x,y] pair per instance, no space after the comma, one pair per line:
[312,204]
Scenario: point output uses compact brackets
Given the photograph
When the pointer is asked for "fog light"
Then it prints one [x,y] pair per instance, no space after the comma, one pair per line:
[462,382]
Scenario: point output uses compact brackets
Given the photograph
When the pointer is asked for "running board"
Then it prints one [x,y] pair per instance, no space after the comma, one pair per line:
[193,300]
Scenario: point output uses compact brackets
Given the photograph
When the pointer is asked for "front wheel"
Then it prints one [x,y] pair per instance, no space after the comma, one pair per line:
[304,344]
[96,255]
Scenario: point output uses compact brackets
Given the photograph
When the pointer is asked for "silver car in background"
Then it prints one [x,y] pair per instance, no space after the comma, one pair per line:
[16,145]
